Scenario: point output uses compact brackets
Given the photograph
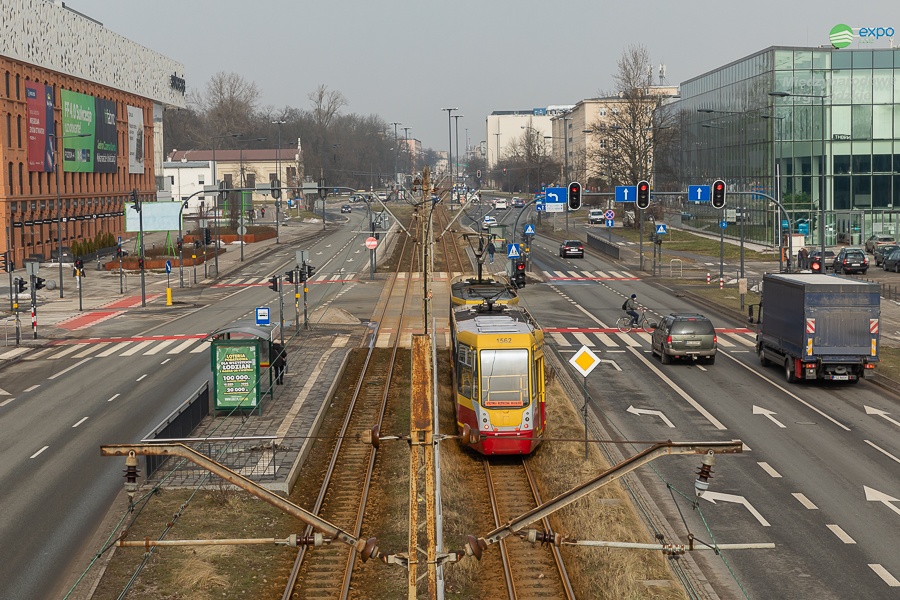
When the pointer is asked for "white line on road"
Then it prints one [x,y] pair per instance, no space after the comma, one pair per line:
[113,398]
[141,377]
[806,502]
[885,575]
[7,401]
[768,469]
[883,451]
[80,422]
[38,453]
[841,534]
[67,369]
[794,396]
[34,387]
[165,361]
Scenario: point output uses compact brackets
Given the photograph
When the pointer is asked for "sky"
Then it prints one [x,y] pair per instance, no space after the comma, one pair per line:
[405,60]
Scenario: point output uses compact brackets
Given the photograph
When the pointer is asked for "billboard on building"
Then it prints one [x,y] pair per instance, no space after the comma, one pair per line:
[77,120]
[106,143]
[39,105]
[135,140]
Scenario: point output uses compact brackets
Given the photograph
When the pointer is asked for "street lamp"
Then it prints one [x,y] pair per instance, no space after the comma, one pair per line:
[278,179]
[822,169]
[215,167]
[59,203]
[396,154]
[497,158]
[450,137]
[457,146]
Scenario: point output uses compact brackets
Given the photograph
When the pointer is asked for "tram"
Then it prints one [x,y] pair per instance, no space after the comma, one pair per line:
[498,377]
[466,289]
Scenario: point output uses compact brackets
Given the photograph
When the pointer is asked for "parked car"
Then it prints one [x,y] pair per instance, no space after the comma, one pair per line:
[891,262]
[346,208]
[850,260]
[571,248]
[815,262]
[684,335]
[877,240]
[882,251]
[488,222]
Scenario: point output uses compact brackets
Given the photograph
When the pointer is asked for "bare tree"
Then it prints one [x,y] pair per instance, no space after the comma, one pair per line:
[229,104]
[529,160]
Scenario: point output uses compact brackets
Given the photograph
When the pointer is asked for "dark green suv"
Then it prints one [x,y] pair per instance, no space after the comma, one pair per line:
[684,335]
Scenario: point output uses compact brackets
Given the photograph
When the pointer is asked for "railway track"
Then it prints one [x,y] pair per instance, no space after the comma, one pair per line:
[530,571]
[327,571]
[453,256]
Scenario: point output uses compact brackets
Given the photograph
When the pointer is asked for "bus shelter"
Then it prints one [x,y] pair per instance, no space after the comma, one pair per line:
[240,357]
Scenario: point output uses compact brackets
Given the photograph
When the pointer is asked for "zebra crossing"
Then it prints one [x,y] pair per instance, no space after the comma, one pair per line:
[576,275]
[118,348]
[607,339]
[264,281]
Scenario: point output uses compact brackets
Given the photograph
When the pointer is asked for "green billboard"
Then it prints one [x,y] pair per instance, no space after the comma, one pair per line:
[235,368]
[78,118]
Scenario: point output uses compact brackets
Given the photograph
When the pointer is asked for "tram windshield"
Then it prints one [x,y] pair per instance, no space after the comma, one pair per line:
[504,378]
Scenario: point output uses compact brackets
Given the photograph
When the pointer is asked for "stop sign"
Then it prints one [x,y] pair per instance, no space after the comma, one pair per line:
[371,243]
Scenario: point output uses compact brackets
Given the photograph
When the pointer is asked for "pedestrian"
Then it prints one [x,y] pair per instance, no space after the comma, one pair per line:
[491,250]
[802,259]
[262,212]
[279,360]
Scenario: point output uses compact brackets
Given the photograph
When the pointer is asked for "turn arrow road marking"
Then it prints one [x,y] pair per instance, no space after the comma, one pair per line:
[645,411]
[713,496]
[757,410]
[873,495]
[881,413]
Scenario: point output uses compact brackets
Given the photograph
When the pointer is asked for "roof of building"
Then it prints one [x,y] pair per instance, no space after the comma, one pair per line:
[249,155]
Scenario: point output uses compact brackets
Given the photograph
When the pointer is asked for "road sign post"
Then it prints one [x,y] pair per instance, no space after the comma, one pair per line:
[584,362]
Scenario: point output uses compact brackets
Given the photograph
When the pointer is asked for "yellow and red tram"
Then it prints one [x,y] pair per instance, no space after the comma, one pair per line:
[498,377]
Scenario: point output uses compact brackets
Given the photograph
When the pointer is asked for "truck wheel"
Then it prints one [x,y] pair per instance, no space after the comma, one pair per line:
[762,358]
[789,370]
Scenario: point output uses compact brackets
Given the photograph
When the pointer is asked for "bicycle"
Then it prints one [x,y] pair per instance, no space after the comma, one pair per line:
[624,323]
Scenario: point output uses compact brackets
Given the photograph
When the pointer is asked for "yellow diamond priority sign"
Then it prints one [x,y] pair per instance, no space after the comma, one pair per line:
[585,361]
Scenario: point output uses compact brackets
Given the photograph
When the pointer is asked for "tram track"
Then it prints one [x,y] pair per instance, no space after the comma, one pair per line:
[530,571]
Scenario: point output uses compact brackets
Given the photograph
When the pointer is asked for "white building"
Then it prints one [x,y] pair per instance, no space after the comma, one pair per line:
[186,179]
[505,127]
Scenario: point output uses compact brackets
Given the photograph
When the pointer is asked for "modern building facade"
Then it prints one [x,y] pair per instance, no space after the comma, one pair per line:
[80,127]
[826,120]
[505,127]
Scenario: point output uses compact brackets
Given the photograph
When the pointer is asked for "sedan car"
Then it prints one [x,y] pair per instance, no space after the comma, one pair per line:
[346,208]
[571,248]
[815,262]
[518,202]
[488,222]
[877,240]
[684,335]
[891,262]
[850,260]
[882,251]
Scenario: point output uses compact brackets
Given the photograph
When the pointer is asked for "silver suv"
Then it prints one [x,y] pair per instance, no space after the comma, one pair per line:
[684,335]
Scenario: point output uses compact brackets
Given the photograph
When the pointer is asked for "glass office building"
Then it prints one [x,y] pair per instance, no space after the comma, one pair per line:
[826,120]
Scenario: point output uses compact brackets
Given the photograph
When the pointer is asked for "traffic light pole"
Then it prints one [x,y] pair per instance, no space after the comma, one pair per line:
[281,312]
[16,309]
[305,292]
[296,300]
[33,308]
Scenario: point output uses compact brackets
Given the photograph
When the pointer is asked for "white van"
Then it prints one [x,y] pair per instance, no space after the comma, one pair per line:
[596,215]
[501,203]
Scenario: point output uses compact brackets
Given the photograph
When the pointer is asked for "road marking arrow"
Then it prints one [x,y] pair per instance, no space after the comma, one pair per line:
[713,496]
[4,392]
[757,410]
[873,495]
[881,413]
[645,411]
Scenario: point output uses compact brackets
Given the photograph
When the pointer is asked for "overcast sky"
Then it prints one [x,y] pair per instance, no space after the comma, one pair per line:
[405,60]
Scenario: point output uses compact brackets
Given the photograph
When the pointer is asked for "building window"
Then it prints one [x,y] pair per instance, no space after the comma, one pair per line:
[201,179]
[19,131]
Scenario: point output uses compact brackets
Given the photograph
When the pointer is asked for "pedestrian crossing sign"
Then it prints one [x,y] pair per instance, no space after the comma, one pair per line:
[513,251]
[660,228]
[529,229]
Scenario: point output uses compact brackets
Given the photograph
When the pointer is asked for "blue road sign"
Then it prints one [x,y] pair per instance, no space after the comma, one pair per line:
[609,215]
[168,266]
[513,251]
[661,228]
[262,315]
[723,224]
[555,195]
[698,193]
[626,193]
[610,223]
[529,229]
[120,240]
[539,205]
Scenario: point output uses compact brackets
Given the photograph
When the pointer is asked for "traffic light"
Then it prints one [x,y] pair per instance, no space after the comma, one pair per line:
[276,189]
[118,251]
[718,194]
[519,277]
[207,236]
[141,264]
[289,275]
[302,273]
[273,283]
[643,195]
[38,283]
[310,271]
[574,195]
[21,285]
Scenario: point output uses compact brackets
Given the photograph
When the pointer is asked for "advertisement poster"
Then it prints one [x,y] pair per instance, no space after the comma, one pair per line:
[105,141]
[237,372]
[39,105]
[77,119]
[135,140]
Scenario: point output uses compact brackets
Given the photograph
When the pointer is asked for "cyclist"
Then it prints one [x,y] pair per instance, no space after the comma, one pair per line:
[630,309]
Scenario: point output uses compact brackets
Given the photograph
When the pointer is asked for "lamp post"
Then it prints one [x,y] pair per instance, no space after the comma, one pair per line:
[215,167]
[241,214]
[450,137]
[408,153]
[59,202]
[396,153]
[278,179]
[497,158]
[456,180]
[822,168]
[776,191]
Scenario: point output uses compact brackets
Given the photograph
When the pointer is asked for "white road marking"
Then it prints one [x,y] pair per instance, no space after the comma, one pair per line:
[806,502]
[585,341]
[159,347]
[724,343]
[740,339]
[90,348]
[137,348]
[114,397]
[768,469]
[203,346]
[66,370]
[141,377]
[182,346]
[841,534]
[80,422]
[758,410]
[883,451]
[112,350]
[885,575]
[165,361]
[713,496]
[606,340]
[7,401]
[38,453]
[69,350]
[560,340]
[34,387]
